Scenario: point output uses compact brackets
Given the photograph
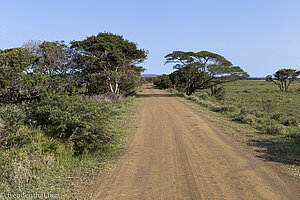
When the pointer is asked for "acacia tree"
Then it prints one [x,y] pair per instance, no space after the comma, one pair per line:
[283,78]
[110,57]
[202,70]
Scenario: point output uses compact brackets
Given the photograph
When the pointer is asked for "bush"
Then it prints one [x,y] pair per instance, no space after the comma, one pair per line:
[13,116]
[16,174]
[163,82]
[274,129]
[107,97]
[246,110]
[291,122]
[294,133]
[204,96]
[245,119]
[270,126]
[276,116]
[224,108]
[79,119]
[27,153]
[218,93]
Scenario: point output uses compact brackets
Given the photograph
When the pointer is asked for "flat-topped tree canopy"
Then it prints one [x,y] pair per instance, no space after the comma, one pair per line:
[283,78]
[203,69]
[209,58]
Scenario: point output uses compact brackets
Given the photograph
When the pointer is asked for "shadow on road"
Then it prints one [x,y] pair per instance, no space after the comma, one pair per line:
[287,152]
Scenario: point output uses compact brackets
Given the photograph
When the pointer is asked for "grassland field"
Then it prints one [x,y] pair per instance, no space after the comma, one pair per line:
[265,97]
[261,104]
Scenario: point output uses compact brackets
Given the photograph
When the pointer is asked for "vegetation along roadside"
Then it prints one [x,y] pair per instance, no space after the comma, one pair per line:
[65,112]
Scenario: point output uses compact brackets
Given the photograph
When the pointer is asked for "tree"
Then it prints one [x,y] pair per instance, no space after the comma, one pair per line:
[163,82]
[202,70]
[110,57]
[15,64]
[51,70]
[53,58]
[283,78]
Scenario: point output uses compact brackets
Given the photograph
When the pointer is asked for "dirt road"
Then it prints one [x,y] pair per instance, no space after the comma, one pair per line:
[175,154]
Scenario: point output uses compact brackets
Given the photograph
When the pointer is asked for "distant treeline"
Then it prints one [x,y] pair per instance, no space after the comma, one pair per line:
[256,78]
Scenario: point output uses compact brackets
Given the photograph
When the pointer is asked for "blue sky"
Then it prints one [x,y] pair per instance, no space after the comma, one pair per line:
[261,36]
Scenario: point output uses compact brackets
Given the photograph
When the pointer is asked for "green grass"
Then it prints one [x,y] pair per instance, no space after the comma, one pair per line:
[274,112]
[260,104]
[265,97]
[47,164]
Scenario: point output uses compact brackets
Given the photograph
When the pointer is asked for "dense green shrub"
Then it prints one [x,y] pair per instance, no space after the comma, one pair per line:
[80,120]
[74,118]
[13,116]
[163,82]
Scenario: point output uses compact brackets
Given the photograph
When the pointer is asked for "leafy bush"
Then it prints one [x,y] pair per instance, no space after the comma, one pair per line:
[13,116]
[74,118]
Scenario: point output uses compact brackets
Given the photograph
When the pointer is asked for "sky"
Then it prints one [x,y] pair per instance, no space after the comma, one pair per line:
[260,36]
